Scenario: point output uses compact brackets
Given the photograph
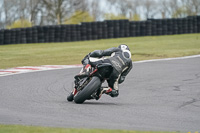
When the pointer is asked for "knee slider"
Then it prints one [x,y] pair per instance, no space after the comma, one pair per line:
[114,93]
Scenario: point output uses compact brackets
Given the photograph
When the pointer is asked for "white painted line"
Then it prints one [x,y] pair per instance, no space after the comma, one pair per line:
[27,69]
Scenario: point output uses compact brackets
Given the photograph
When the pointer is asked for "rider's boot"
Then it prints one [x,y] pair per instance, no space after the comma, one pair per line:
[70,98]
[109,91]
[102,91]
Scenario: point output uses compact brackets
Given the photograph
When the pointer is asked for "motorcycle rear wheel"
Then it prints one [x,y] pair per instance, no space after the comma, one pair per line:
[88,90]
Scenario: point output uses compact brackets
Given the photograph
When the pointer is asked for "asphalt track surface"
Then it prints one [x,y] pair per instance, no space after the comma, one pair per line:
[158,96]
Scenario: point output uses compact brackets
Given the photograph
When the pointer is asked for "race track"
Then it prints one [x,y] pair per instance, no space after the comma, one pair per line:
[158,96]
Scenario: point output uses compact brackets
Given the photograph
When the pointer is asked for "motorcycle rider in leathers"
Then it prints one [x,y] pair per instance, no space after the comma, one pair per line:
[119,57]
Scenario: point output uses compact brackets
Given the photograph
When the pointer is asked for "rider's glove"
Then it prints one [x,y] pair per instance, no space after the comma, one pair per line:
[86,60]
[121,79]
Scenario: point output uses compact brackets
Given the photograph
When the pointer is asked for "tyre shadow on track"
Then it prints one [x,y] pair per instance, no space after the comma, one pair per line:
[100,103]
[110,104]
[94,103]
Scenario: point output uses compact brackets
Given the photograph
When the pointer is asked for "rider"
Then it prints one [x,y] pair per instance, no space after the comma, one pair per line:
[119,57]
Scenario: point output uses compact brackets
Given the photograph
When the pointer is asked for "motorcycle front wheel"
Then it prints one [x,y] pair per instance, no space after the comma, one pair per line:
[88,90]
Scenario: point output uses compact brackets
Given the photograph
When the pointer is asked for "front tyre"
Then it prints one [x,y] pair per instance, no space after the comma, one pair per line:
[88,90]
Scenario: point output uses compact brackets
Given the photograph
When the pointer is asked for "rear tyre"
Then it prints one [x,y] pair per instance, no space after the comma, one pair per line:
[89,89]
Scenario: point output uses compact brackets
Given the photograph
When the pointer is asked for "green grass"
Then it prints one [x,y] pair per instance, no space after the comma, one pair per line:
[33,129]
[142,48]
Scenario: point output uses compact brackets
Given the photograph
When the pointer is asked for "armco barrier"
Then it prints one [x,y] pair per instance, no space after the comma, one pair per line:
[100,30]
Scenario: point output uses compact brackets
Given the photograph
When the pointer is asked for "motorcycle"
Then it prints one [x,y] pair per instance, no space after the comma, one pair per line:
[89,86]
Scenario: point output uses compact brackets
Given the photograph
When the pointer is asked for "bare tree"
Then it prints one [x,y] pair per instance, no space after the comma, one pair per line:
[164,8]
[134,6]
[13,10]
[56,11]
[123,6]
[48,12]
[53,10]
[192,6]
[179,8]
[95,9]
[174,6]
[35,7]
[1,14]
[9,11]
[196,6]
[147,8]
[150,8]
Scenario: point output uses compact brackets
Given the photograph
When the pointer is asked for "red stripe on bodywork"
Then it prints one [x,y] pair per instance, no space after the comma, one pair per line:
[93,72]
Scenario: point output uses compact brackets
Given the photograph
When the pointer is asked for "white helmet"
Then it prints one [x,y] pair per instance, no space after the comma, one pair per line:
[126,51]
[123,47]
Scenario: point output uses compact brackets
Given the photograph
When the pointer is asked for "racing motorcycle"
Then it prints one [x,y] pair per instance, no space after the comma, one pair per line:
[89,86]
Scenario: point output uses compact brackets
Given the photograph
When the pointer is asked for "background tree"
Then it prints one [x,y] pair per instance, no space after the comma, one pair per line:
[76,18]
[95,10]
[192,7]
[10,12]
[35,7]
[123,7]
[112,16]
[136,17]
[56,11]
[52,12]
[1,13]
[150,8]
[164,8]
[180,12]
[135,10]
[13,10]
[21,23]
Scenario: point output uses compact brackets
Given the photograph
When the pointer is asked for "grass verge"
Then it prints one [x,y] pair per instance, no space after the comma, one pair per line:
[142,48]
[34,129]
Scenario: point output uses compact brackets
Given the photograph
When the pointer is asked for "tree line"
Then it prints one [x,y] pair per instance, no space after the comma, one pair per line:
[27,13]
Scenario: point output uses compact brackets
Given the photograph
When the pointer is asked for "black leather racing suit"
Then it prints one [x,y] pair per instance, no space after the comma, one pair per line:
[121,63]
